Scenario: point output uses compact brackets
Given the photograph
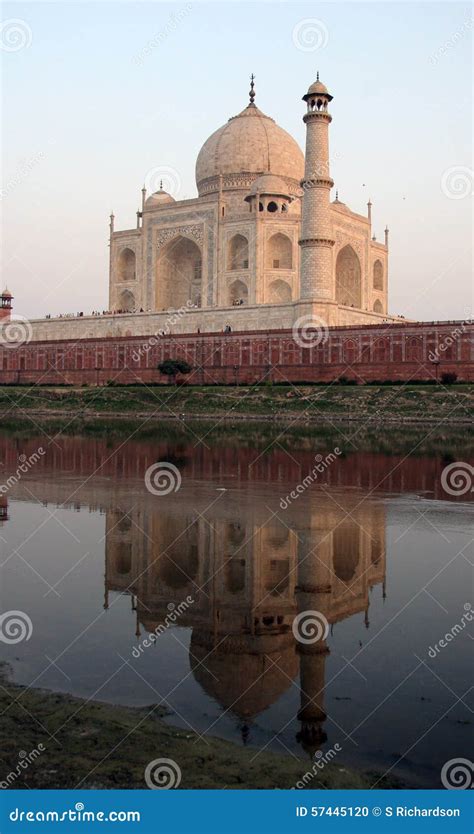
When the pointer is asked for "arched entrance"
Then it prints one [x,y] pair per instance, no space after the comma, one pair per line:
[348,278]
[127,302]
[279,292]
[238,293]
[179,274]
[126,265]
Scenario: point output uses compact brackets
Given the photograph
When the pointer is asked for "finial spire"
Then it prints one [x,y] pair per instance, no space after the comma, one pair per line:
[161,185]
[317,76]
[252,89]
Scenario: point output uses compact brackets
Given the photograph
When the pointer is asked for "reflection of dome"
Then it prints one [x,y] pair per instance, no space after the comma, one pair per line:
[250,143]
[242,675]
[159,198]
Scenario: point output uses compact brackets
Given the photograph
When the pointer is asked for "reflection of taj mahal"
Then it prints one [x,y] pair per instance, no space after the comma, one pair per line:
[248,582]
[263,231]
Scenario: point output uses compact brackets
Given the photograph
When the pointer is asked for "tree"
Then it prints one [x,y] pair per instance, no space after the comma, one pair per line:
[172,367]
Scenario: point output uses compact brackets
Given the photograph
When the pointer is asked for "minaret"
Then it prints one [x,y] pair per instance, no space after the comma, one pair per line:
[6,299]
[316,231]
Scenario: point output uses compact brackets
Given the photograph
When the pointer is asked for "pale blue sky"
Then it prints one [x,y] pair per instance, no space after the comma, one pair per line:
[84,123]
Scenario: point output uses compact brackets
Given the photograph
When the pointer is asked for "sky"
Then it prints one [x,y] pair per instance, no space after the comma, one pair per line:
[98,97]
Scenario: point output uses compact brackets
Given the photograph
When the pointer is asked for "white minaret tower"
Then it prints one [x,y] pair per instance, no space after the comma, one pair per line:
[316,242]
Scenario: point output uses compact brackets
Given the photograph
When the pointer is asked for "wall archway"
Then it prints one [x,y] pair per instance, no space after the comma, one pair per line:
[127,301]
[238,253]
[238,291]
[126,265]
[179,274]
[279,292]
[378,307]
[279,252]
[378,275]
[348,278]
[346,552]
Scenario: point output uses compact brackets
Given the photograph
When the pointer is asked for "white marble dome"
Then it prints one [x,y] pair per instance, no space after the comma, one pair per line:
[249,145]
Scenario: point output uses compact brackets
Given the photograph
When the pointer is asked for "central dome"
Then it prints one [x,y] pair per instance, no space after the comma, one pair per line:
[249,145]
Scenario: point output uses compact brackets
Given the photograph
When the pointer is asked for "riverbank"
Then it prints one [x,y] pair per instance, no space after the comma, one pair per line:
[67,742]
[302,404]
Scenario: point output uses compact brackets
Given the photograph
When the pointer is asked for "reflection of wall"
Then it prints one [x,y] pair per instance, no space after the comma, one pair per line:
[248,581]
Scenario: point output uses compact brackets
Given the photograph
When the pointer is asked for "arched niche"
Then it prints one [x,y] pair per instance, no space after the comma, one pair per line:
[126,265]
[238,253]
[127,301]
[238,293]
[378,306]
[279,252]
[179,274]
[378,275]
[348,278]
[279,292]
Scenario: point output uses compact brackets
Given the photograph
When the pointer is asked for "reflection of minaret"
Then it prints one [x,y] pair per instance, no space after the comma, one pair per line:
[313,593]
[3,510]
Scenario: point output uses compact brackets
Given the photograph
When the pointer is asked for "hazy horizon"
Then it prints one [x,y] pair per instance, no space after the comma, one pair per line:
[102,94]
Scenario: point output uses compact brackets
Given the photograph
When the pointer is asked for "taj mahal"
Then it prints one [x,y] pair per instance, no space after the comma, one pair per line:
[262,247]
[262,234]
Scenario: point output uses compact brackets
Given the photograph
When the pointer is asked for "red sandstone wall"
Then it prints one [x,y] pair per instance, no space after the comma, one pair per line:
[364,353]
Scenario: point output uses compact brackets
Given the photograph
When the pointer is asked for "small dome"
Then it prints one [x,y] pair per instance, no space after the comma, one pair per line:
[317,89]
[269,184]
[159,198]
[6,293]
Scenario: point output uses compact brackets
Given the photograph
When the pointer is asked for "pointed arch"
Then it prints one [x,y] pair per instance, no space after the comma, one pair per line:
[378,275]
[179,274]
[279,252]
[279,292]
[127,302]
[238,292]
[378,306]
[348,278]
[126,265]
[238,253]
